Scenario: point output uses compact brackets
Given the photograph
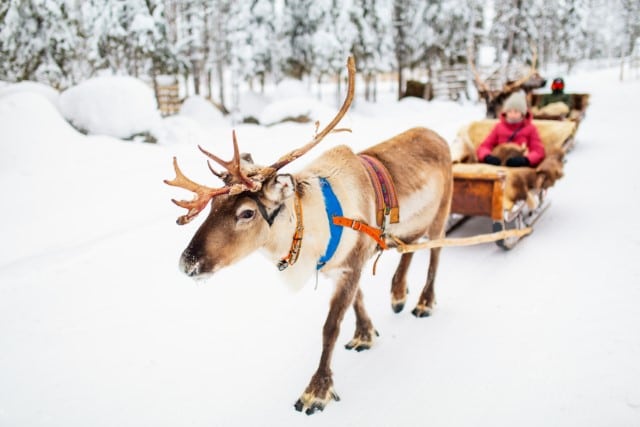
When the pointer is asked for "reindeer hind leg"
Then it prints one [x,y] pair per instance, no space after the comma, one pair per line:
[427,297]
[399,289]
[436,230]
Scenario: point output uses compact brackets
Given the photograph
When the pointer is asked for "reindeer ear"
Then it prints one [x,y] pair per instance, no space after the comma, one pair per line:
[279,188]
[246,157]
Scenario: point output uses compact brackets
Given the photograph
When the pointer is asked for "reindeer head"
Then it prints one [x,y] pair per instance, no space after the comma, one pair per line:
[242,211]
[494,98]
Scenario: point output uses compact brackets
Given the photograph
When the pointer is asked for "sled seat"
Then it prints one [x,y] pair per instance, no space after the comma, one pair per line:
[497,192]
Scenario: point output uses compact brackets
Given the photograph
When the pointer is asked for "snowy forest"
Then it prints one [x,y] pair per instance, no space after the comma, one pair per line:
[204,42]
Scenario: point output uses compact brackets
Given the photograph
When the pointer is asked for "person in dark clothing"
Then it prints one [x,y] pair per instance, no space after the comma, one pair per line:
[557,94]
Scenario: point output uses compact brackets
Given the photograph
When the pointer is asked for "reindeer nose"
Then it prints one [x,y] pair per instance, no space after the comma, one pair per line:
[191,270]
[189,264]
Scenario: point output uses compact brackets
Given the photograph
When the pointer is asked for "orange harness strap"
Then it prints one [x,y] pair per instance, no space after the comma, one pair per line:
[374,233]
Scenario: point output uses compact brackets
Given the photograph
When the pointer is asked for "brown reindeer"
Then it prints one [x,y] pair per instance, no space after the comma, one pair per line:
[494,98]
[287,216]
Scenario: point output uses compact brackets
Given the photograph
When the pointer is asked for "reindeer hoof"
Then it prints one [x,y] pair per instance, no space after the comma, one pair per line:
[421,311]
[362,341]
[397,304]
[397,307]
[309,403]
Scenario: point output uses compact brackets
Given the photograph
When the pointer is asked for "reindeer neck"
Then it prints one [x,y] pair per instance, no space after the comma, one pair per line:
[315,233]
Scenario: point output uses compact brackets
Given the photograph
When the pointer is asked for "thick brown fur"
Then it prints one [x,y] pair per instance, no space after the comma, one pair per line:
[507,150]
[419,162]
[520,183]
[550,170]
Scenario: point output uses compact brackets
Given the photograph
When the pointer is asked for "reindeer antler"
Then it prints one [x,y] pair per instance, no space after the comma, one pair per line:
[510,87]
[239,181]
[232,166]
[480,84]
[299,152]
[202,194]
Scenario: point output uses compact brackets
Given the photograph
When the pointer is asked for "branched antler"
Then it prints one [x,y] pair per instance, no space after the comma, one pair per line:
[202,194]
[513,86]
[232,166]
[493,98]
[235,178]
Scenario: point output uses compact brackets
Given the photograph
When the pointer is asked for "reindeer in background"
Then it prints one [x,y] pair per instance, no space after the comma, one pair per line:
[260,208]
[494,98]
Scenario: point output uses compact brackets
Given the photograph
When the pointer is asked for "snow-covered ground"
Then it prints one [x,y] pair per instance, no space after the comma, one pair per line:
[99,328]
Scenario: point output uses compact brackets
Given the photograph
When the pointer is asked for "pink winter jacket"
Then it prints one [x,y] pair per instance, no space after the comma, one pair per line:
[526,135]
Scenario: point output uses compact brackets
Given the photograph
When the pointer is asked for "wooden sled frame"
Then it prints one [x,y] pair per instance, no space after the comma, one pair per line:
[580,102]
[481,192]
[483,195]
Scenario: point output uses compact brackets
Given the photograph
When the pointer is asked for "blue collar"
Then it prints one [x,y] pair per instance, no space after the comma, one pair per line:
[333,208]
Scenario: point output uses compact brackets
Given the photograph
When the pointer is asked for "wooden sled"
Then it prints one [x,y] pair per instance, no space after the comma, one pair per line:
[579,101]
[495,191]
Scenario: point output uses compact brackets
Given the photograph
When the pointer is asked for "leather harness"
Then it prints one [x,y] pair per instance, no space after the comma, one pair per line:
[386,208]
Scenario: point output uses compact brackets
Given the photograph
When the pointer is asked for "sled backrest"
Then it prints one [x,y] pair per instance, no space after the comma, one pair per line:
[553,133]
[580,101]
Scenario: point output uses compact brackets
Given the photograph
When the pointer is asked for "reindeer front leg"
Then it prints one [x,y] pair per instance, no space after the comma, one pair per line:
[363,337]
[320,390]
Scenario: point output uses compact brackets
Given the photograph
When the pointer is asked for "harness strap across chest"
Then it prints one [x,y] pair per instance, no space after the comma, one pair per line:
[333,209]
[386,197]
[386,205]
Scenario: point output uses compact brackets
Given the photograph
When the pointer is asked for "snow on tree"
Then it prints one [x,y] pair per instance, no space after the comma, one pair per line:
[332,43]
[262,37]
[372,44]
[403,15]
[514,31]
[300,21]
[38,41]
[571,37]
[64,41]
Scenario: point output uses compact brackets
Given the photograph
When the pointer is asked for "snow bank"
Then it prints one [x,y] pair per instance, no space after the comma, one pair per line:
[298,108]
[29,121]
[26,86]
[117,106]
[202,111]
[252,104]
[290,88]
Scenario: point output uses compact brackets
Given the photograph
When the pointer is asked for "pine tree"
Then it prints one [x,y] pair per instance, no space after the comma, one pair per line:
[301,19]
[332,43]
[403,12]
[38,41]
[514,31]
[570,41]
[262,31]
[372,44]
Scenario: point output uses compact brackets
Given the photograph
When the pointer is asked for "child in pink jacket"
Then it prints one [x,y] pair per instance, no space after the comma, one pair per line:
[514,126]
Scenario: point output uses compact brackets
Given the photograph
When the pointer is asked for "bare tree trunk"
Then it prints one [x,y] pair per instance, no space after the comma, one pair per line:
[367,87]
[196,77]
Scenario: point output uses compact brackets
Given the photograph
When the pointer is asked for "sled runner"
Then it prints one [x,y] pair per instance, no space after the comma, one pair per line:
[514,198]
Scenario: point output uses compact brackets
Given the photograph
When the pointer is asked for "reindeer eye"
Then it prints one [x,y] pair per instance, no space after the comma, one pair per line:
[247,214]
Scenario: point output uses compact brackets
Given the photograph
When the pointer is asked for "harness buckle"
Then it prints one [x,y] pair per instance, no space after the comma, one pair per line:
[283,264]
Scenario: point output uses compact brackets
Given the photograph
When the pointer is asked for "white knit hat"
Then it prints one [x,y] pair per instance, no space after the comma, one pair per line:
[516,101]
